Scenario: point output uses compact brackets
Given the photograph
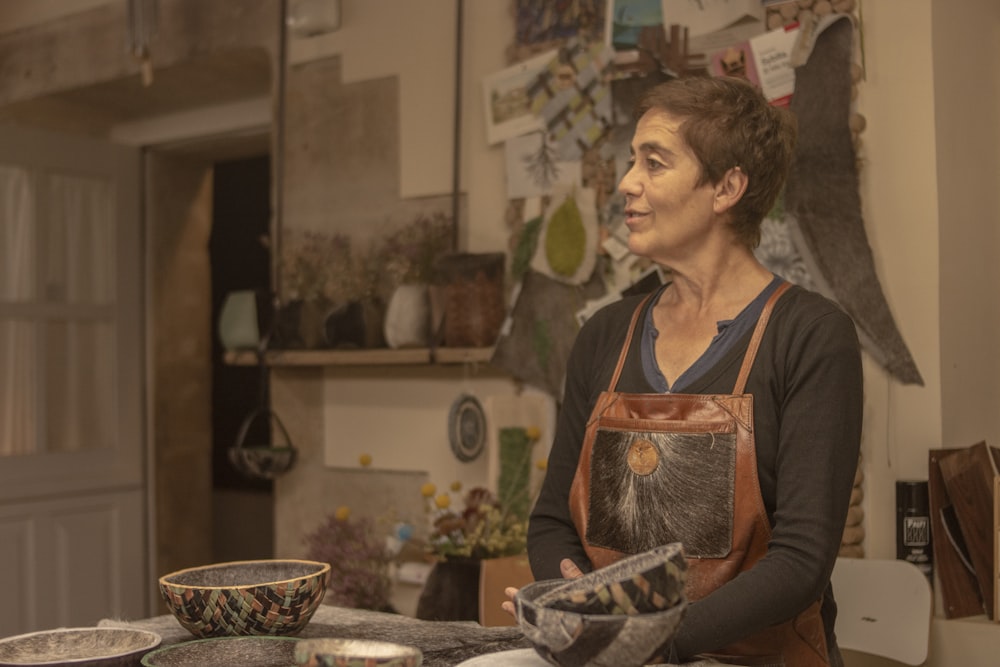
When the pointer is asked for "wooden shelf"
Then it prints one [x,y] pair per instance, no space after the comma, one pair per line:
[372,357]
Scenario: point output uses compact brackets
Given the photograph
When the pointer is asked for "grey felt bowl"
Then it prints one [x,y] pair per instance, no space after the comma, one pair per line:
[78,647]
[624,615]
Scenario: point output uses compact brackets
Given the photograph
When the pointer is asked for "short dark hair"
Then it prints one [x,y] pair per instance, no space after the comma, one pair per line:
[728,123]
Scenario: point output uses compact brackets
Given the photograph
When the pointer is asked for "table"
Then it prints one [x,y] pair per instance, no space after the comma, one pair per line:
[444,643]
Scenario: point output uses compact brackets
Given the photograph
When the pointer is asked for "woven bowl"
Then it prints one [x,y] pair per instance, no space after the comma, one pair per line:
[78,647]
[254,597]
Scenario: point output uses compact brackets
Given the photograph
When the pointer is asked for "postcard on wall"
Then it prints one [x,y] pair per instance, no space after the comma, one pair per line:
[772,54]
[625,20]
[702,17]
[573,96]
[735,60]
[533,167]
[507,100]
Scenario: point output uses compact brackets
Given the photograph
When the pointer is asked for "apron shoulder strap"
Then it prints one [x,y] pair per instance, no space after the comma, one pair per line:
[748,358]
[628,339]
[758,334]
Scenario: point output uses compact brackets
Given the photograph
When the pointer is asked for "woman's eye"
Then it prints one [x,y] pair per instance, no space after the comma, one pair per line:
[653,165]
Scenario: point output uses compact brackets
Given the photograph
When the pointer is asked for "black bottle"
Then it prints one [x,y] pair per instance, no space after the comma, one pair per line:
[913,525]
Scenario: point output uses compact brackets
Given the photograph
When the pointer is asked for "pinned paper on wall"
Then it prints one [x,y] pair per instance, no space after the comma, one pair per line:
[533,167]
[508,104]
[572,94]
[772,54]
[707,16]
[567,244]
[627,18]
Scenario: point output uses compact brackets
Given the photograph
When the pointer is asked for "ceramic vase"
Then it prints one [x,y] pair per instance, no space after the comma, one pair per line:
[407,317]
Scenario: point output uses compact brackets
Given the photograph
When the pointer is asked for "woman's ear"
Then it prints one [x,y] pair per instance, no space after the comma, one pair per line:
[730,189]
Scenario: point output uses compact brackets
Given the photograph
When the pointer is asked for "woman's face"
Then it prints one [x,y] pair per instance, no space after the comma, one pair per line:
[667,213]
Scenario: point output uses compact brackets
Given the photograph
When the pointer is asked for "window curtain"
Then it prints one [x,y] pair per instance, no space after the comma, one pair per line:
[18,380]
[57,314]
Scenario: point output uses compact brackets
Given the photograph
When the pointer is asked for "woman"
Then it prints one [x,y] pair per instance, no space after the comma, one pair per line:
[757,491]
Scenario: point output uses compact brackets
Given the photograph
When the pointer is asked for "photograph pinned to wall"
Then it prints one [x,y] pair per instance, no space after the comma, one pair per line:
[715,25]
[625,20]
[735,60]
[567,244]
[508,101]
[572,95]
[533,167]
[541,22]
[708,16]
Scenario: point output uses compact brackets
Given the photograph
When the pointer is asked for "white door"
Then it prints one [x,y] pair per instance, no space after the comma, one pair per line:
[72,447]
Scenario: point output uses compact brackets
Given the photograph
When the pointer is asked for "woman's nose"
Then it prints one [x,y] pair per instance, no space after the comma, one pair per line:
[628,184]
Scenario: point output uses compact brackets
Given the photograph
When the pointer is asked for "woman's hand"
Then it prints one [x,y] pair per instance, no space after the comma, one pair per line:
[568,569]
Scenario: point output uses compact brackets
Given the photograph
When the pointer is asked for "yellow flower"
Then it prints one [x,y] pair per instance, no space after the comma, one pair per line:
[456,486]
[428,490]
[365,460]
[443,501]
[342,513]
[542,464]
[533,432]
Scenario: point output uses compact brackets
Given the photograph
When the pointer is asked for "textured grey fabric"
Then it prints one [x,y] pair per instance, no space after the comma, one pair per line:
[823,204]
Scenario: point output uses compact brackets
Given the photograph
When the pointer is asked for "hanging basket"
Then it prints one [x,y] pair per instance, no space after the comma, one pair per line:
[262,461]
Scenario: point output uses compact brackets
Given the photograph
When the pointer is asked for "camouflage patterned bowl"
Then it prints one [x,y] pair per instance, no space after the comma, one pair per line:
[570,639]
[622,615]
[643,583]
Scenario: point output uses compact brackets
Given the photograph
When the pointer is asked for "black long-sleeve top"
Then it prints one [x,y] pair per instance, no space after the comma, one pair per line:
[807,389]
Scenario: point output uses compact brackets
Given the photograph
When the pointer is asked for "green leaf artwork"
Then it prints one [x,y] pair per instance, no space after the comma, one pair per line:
[515,471]
[525,248]
[566,239]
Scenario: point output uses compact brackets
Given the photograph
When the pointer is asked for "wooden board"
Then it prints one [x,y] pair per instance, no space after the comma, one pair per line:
[960,595]
[969,476]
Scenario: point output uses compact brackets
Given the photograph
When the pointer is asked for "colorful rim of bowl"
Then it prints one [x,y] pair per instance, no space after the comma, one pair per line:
[322,569]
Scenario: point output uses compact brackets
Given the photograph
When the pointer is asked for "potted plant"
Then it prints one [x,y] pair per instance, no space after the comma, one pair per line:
[330,290]
[408,258]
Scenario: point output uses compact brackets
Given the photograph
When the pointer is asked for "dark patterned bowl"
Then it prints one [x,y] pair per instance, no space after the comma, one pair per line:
[643,583]
[255,597]
[78,647]
[623,615]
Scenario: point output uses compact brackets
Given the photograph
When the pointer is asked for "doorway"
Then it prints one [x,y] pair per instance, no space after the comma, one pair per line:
[242,507]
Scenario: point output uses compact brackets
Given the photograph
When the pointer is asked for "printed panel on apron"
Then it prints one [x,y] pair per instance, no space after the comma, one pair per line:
[662,485]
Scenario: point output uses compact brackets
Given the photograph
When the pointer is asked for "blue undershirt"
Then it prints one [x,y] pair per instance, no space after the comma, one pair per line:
[730,331]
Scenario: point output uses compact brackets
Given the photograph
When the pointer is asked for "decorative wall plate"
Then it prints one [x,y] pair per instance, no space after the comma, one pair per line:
[467,428]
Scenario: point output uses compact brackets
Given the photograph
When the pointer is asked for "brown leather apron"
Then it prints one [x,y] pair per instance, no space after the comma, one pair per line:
[661,468]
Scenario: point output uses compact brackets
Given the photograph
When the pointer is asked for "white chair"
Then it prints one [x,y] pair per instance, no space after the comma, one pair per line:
[884,608]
